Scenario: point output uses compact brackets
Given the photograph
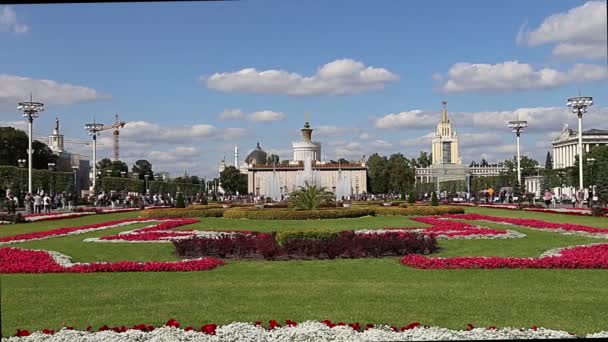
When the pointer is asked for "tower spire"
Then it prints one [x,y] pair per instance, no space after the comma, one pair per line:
[444,115]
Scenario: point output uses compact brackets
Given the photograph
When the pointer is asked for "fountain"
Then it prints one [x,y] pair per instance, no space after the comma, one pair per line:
[343,186]
[274,186]
[308,175]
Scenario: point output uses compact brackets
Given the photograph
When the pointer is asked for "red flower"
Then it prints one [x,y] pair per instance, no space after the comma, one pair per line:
[273,324]
[48,331]
[492,327]
[291,323]
[369,326]
[470,326]
[410,326]
[258,323]
[189,328]
[534,327]
[172,323]
[22,333]
[209,329]
[104,327]
[356,326]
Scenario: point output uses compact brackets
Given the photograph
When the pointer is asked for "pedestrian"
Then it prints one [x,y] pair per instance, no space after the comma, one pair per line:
[47,204]
[548,197]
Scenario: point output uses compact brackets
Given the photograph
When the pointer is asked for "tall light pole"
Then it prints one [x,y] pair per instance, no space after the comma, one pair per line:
[146,176]
[30,111]
[579,107]
[51,169]
[518,127]
[75,171]
[94,129]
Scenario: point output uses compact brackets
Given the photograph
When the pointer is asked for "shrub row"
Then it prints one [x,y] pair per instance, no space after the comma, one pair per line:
[284,236]
[182,213]
[418,210]
[345,244]
[288,214]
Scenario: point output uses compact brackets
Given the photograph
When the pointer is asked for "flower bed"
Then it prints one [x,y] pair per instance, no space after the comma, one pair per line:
[54,216]
[579,257]
[566,228]
[290,331]
[162,225]
[16,260]
[307,245]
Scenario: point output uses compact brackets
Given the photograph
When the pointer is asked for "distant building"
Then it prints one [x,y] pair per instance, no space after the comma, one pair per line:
[69,162]
[565,147]
[273,181]
[447,164]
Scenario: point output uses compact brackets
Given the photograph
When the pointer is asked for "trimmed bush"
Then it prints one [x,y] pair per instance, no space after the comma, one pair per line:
[434,199]
[284,236]
[181,212]
[286,214]
[180,201]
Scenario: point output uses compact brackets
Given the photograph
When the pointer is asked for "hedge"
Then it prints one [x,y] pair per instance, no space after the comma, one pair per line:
[287,214]
[108,184]
[15,178]
[284,236]
[182,212]
[418,210]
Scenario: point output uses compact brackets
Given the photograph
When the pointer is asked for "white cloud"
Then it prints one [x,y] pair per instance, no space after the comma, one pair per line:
[513,75]
[263,116]
[22,125]
[423,141]
[266,116]
[364,136]
[231,114]
[467,140]
[14,89]
[340,77]
[9,21]
[579,32]
[381,144]
[409,119]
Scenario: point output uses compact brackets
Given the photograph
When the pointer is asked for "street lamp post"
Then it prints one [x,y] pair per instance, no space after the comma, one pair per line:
[94,129]
[592,186]
[75,172]
[146,176]
[123,174]
[51,169]
[579,107]
[518,127]
[21,163]
[30,111]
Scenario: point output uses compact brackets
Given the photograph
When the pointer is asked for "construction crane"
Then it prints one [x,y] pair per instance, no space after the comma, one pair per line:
[116,126]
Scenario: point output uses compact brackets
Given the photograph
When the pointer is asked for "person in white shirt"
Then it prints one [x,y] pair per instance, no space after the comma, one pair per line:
[47,204]
[37,204]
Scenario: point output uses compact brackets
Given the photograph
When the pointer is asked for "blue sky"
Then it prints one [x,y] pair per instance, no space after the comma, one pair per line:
[171,69]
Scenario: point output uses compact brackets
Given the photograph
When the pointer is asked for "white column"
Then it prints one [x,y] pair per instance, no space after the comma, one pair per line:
[580,151]
[29,155]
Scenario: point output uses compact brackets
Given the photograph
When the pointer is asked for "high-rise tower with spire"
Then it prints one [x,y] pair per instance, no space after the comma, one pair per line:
[445,141]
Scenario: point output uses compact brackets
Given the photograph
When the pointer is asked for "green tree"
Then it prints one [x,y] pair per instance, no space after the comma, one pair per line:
[143,167]
[424,160]
[180,201]
[310,197]
[401,176]
[528,168]
[42,155]
[233,180]
[548,161]
[378,174]
[411,198]
[517,191]
[272,159]
[13,146]
[434,199]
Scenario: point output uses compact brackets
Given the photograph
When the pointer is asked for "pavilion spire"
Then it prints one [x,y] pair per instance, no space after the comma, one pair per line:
[444,115]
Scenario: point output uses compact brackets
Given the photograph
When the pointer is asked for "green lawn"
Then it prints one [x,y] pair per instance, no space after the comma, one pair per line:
[365,290]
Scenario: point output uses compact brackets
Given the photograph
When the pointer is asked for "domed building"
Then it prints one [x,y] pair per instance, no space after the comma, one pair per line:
[257,156]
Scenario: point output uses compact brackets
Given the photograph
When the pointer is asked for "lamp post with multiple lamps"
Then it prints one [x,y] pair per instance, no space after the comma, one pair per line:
[518,127]
[579,107]
[94,129]
[30,111]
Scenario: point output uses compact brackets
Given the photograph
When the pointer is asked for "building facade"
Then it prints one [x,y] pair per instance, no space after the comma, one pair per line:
[447,163]
[264,179]
[565,147]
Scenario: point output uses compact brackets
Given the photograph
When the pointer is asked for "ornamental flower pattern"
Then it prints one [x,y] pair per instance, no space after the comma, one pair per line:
[290,331]
[16,260]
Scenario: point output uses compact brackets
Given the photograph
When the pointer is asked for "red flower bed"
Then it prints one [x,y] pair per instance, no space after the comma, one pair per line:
[15,260]
[581,257]
[454,228]
[530,223]
[67,231]
[156,232]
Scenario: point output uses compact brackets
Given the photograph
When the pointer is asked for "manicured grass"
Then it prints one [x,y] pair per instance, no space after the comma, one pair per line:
[366,222]
[365,290]
[377,290]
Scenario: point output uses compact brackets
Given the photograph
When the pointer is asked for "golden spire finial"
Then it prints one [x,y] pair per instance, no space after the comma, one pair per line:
[444,115]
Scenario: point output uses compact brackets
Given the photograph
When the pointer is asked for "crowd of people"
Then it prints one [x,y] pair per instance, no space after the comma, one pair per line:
[39,202]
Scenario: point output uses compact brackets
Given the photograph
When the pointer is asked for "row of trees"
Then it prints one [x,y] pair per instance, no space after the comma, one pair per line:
[13,146]
[394,174]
